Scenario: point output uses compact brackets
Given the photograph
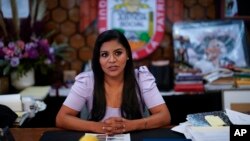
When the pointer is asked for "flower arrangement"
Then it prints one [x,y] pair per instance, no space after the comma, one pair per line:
[21,57]
[23,44]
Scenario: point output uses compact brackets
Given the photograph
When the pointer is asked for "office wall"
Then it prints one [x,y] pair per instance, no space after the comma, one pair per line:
[64,17]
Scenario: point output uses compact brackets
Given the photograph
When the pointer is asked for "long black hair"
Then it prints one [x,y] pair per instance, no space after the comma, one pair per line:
[130,106]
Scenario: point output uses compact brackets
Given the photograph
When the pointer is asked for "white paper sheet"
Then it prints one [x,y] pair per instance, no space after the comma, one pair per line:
[13,101]
[209,133]
[36,92]
[199,133]
[238,118]
[117,137]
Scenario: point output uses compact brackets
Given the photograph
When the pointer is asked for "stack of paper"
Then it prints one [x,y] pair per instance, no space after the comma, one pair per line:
[21,117]
[238,118]
[207,126]
[200,133]
[13,101]
[211,126]
[36,92]
[23,105]
[207,133]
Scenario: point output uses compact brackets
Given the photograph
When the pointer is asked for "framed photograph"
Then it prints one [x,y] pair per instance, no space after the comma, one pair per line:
[235,9]
[210,45]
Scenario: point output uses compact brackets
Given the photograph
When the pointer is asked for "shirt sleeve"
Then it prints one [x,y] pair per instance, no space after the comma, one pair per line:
[150,93]
[81,92]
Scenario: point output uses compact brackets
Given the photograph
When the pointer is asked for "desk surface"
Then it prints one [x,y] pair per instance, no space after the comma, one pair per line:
[55,134]
[29,134]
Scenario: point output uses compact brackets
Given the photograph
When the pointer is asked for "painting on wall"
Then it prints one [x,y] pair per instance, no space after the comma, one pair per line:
[208,46]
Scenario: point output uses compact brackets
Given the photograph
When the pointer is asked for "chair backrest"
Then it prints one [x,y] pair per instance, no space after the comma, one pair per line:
[7,116]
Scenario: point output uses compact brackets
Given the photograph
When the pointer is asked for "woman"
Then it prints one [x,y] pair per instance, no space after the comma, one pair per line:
[114,92]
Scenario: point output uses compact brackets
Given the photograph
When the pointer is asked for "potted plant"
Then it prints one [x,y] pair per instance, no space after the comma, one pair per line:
[23,50]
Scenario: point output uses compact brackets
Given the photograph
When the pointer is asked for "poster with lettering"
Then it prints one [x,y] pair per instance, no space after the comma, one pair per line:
[142,22]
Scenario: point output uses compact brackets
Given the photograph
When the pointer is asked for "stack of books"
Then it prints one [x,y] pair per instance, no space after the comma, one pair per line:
[222,83]
[220,79]
[189,82]
[242,79]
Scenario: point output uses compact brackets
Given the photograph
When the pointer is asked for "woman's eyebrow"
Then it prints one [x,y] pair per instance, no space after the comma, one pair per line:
[118,49]
[103,51]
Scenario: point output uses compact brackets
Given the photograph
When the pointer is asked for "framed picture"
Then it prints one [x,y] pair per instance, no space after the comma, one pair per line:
[235,9]
[209,45]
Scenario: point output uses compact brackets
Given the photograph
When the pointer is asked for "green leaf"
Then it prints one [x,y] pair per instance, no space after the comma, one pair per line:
[6,70]
[2,62]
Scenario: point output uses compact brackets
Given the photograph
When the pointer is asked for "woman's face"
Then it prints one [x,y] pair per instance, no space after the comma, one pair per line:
[213,51]
[113,58]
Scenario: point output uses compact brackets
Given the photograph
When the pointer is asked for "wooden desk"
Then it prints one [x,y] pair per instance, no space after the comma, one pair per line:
[29,134]
[37,134]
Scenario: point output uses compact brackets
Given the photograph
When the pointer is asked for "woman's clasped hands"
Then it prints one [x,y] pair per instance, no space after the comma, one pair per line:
[114,125]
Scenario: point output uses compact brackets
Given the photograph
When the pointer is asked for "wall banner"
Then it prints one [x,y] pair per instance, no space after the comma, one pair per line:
[142,22]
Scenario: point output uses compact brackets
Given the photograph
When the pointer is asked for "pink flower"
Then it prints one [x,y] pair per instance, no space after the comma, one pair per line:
[20,44]
[8,52]
[23,56]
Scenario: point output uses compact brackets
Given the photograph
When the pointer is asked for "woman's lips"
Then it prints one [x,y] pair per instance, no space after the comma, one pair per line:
[113,68]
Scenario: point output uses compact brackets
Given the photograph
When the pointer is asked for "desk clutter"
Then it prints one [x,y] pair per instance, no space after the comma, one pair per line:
[104,137]
[211,126]
[26,103]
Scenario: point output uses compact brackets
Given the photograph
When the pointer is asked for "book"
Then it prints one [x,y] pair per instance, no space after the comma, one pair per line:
[188,82]
[223,81]
[189,87]
[188,77]
[242,74]
[216,87]
[200,119]
[242,81]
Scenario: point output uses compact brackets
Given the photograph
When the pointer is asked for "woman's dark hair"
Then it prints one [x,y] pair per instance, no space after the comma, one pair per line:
[130,107]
